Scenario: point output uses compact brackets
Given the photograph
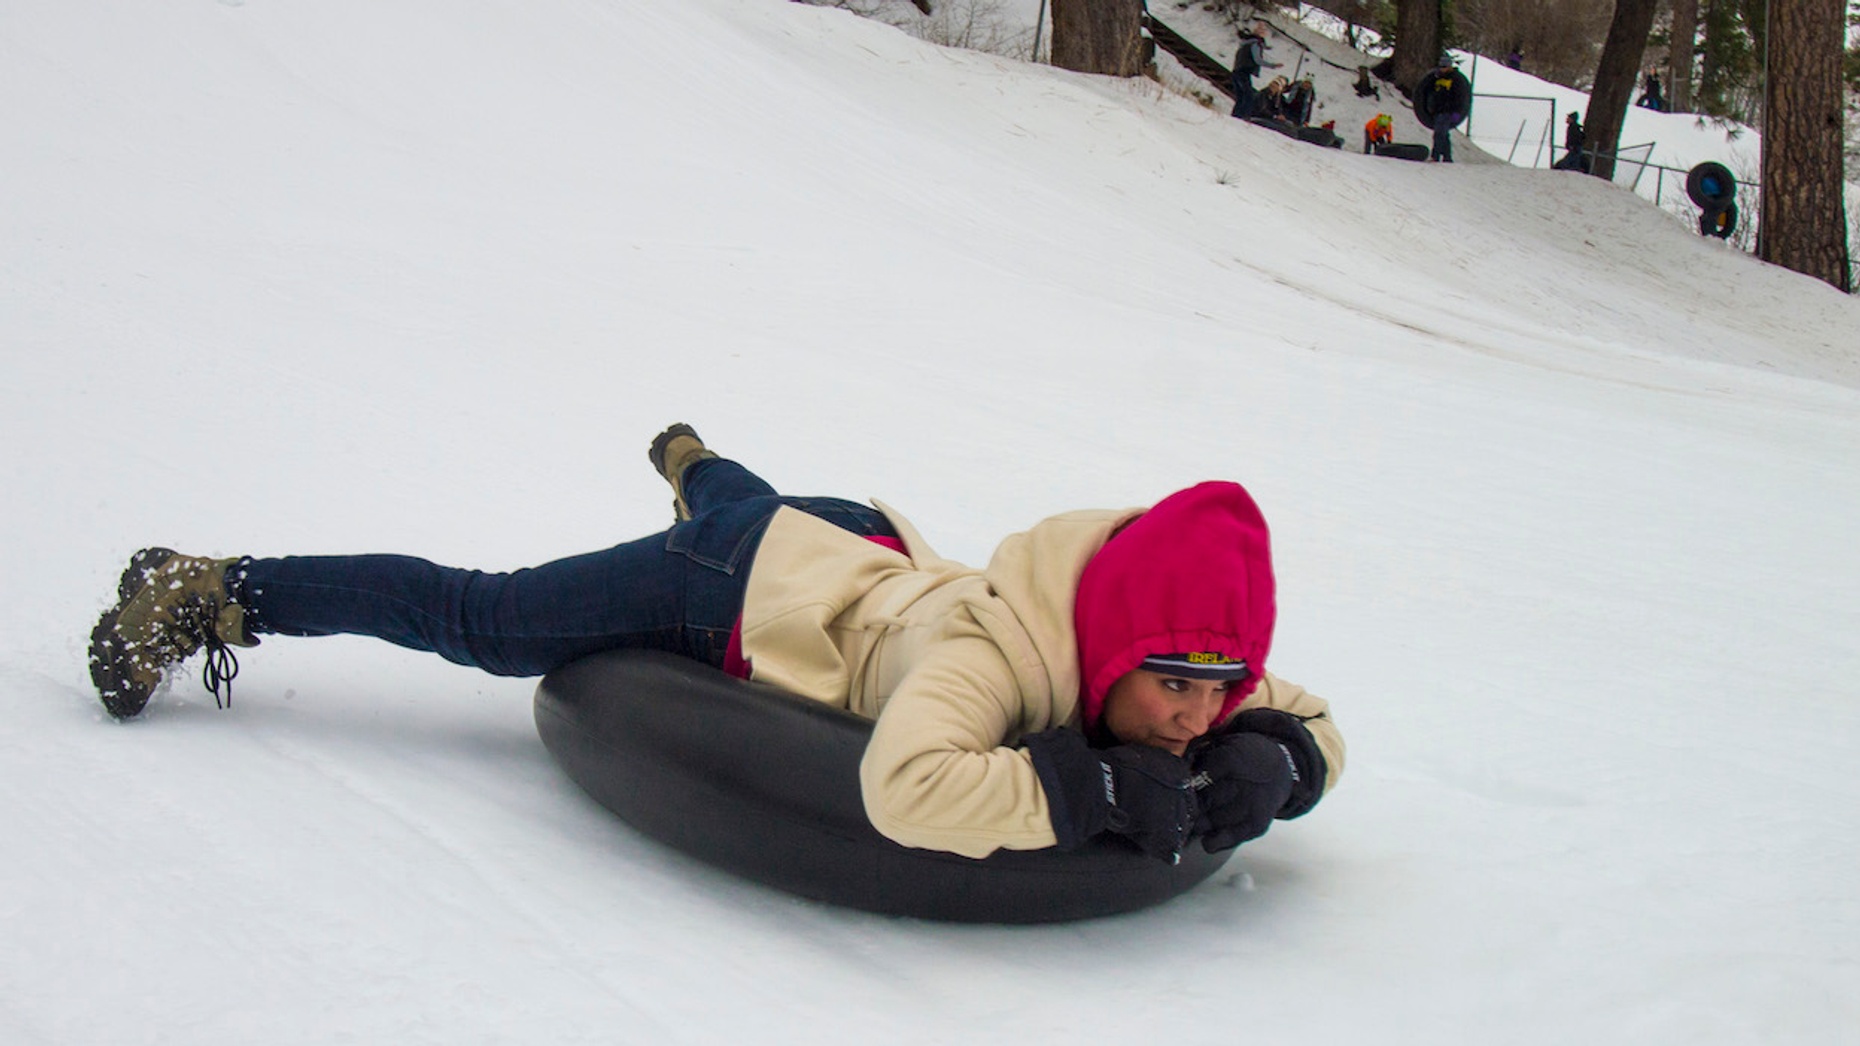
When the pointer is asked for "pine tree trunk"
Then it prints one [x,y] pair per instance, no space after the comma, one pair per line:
[1804,215]
[1709,61]
[1685,37]
[1098,36]
[1615,79]
[1417,41]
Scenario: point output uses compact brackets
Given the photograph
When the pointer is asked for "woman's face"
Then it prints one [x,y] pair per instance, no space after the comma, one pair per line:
[1163,711]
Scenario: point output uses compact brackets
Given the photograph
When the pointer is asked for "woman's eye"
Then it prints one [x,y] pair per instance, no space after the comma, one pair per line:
[1176,685]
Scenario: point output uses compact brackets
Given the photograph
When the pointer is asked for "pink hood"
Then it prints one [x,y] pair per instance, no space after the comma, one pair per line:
[1193,573]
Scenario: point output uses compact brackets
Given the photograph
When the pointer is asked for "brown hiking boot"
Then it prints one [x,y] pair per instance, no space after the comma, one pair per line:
[672,452]
[168,606]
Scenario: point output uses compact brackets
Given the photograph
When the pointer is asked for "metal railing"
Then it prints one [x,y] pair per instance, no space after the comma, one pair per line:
[1749,192]
[1543,139]
[1632,165]
[1623,155]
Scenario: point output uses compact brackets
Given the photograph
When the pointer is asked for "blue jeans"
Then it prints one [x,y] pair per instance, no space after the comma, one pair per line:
[1246,97]
[1444,123]
[680,591]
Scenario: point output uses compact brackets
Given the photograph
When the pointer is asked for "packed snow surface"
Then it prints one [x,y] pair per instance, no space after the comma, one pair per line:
[1563,500]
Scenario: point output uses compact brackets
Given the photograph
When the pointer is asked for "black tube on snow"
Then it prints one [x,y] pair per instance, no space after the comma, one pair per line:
[1712,186]
[766,785]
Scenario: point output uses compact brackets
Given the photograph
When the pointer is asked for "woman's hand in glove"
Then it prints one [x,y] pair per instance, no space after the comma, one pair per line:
[1242,781]
[1135,791]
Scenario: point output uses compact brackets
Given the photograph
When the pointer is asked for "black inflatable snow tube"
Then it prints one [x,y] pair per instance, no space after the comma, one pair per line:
[766,785]
[1319,136]
[1423,97]
[1720,223]
[1404,151]
[1712,186]
[1273,123]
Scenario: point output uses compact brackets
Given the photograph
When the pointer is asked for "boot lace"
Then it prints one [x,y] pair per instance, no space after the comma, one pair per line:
[201,619]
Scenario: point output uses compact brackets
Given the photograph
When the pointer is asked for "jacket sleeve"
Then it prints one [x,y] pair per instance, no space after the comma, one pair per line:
[937,774]
[1313,710]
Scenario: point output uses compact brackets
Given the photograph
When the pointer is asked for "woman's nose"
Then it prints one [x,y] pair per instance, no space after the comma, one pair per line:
[1200,714]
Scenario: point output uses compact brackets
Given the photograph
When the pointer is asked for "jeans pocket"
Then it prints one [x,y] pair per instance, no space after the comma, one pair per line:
[723,539]
[849,516]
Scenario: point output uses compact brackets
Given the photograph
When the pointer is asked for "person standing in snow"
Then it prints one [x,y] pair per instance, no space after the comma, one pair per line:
[1106,672]
[1651,95]
[1442,100]
[1572,146]
[1365,89]
[1249,59]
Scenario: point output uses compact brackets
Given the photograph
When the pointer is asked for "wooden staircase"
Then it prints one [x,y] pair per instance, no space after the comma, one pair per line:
[1194,58]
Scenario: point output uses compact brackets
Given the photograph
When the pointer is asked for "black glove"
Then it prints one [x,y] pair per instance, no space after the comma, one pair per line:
[1135,791]
[1263,765]
[1242,782]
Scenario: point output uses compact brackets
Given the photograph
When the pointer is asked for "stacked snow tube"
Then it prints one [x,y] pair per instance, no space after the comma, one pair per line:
[765,784]
[1711,185]
[1714,189]
[1403,151]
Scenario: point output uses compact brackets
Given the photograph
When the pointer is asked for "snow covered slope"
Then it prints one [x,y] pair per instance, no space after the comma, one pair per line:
[1563,532]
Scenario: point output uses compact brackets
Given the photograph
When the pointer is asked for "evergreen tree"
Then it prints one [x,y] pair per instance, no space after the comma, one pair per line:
[1419,39]
[1731,70]
[1682,49]
[1098,36]
[1852,65]
[1615,79]
[1560,40]
[1804,214]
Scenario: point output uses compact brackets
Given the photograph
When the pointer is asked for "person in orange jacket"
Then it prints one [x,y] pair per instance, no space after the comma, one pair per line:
[1380,130]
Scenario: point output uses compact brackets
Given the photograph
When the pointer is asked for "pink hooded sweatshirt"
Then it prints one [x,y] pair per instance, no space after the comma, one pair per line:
[1193,575]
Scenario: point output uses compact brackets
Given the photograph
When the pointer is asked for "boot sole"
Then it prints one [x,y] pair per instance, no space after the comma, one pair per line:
[141,565]
[123,699]
[656,452]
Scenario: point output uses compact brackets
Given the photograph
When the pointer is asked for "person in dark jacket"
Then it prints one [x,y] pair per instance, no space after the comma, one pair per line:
[1572,145]
[1248,61]
[1651,95]
[1299,99]
[1442,100]
[1271,103]
[1365,89]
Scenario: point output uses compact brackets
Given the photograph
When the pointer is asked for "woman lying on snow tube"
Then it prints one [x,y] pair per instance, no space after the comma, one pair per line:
[1099,685]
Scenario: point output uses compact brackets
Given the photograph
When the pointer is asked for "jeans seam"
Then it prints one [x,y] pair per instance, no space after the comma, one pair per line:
[463,629]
